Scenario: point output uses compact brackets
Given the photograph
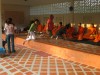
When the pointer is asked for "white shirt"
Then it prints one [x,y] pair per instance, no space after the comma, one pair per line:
[9,28]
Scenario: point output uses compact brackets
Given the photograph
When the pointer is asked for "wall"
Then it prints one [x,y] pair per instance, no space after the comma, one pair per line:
[86,18]
[19,13]
[66,18]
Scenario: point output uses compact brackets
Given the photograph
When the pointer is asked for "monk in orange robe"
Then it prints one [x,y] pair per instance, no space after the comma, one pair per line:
[39,28]
[50,24]
[45,29]
[91,32]
[54,31]
[59,26]
[97,37]
[69,32]
[80,32]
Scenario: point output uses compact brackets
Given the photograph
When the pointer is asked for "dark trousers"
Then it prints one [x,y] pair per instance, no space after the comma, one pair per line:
[50,32]
[10,37]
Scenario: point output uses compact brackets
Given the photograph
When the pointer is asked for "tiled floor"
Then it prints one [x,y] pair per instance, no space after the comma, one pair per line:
[31,62]
[28,61]
[88,48]
[72,45]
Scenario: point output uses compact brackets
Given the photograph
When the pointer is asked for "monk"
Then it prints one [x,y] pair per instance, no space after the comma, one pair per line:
[39,28]
[62,31]
[91,32]
[80,32]
[45,28]
[57,28]
[97,37]
[69,32]
[54,31]
[50,25]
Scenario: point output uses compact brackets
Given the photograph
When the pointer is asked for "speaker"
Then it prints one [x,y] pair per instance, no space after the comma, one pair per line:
[71,8]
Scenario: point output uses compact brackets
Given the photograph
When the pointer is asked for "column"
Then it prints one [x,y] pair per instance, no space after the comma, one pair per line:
[0,27]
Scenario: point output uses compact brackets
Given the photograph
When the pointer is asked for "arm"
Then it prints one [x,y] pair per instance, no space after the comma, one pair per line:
[5,26]
[31,27]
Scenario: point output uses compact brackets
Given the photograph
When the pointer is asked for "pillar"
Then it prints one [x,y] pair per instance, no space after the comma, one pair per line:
[0,27]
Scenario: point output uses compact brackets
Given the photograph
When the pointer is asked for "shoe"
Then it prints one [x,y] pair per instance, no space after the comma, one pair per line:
[56,37]
[2,55]
[51,37]
[40,32]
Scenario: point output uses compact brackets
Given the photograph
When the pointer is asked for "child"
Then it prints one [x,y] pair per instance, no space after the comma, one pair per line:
[29,37]
[3,43]
[31,34]
[3,50]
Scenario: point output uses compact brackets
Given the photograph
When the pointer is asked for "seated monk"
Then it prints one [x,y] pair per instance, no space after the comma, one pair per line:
[59,26]
[91,32]
[97,37]
[39,28]
[80,32]
[69,32]
[62,31]
[54,31]
[45,29]
[66,31]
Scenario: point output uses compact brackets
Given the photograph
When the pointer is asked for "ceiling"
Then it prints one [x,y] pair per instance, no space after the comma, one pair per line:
[32,2]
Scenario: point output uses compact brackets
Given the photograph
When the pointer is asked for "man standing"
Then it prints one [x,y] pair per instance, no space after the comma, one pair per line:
[50,24]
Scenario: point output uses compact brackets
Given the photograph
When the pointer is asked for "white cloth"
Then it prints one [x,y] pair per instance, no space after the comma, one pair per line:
[31,36]
[9,29]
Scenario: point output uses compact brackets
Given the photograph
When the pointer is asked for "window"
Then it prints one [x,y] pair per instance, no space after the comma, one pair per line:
[80,6]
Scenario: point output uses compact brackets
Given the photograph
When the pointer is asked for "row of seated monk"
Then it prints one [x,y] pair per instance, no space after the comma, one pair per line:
[69,31]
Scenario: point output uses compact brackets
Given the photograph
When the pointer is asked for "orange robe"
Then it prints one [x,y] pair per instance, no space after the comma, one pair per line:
[54,31]
[45,28]
[80,33]
[50,24]
[97,38]
[70,32]
[59,27]
[90,33]
[39,28]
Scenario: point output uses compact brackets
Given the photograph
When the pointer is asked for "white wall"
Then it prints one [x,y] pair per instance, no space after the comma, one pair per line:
[19,13]
[66,18]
